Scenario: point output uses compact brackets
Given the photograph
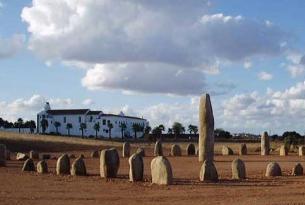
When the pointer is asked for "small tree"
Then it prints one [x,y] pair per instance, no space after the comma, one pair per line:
[178,129]
[123,128]
[68,127]
[110,126]
[31,125]
[96,127]
[57,125]
[19,123]
[82,127]
[147,129]
[193,129]
[44,125]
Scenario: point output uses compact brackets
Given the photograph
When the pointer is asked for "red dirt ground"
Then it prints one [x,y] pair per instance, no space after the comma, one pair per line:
[30,188]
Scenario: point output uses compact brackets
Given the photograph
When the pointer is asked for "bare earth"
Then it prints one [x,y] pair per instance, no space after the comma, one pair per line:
[30,188]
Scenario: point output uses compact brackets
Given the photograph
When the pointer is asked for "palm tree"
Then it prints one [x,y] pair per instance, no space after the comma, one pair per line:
[96,127]
[82,127]
[57,125]
[68,127]
[32,125]
[123,128]
[193,129]
[170,131]
[157,132]
[44,125]
[110,126]
[162,128]
[19,123]
[135,128]
[178,129]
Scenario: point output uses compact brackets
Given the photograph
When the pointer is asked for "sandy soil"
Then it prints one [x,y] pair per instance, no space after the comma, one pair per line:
[31,188]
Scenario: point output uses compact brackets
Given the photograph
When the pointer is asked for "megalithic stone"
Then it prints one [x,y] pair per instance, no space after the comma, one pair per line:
[265,144]
[206,129]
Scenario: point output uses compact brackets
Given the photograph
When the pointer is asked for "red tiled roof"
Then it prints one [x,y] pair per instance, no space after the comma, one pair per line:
[123,116]
[92,112]
[68,112]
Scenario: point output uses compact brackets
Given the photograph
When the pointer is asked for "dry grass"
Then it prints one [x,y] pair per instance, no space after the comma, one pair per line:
[50,143]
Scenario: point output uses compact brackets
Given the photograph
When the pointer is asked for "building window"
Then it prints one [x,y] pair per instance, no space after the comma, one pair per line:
[91,118]
[104,122]
[108,122]
[65,119]
[79,119]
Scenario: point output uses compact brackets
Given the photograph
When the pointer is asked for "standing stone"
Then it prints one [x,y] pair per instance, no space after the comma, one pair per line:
[109,163]
[206,129]
[208,172]
[28,166]
[2,155]
[21,156]
[175,150]
[243,149]
[273,170]
[136,168]
[126,149]
[265,145]
[161,171]
[238,169]
[158,149]
[301,151]
[42,167]
[78,167]
[226,151]
[34,155]
[141,151]
[190,149]
[95,154]
[63,165]
[297,170]
[283,151]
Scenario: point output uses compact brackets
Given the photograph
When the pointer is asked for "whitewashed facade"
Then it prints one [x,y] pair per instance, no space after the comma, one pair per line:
[90,118]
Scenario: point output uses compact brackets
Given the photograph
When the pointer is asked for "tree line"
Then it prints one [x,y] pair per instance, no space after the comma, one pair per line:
[20,123]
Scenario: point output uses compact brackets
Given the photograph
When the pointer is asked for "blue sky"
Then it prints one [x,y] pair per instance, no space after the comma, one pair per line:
[154,59]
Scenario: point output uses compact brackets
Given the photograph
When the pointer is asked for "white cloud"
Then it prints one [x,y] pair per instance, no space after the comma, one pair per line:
[296,70]
[248,64]
[265,76]
[148,34]
[153,78]
[88,102]
[10,46]
[276,110]
[296,64]
[27,108]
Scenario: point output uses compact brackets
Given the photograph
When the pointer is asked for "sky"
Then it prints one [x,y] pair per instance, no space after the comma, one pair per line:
[154,59]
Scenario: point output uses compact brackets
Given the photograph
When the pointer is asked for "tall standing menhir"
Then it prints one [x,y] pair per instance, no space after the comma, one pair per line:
[206,129]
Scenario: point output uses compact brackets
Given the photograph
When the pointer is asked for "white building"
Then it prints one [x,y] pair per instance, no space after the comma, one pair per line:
[76,117]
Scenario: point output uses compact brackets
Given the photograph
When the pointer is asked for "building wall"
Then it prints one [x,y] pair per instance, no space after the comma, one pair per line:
[90,120]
